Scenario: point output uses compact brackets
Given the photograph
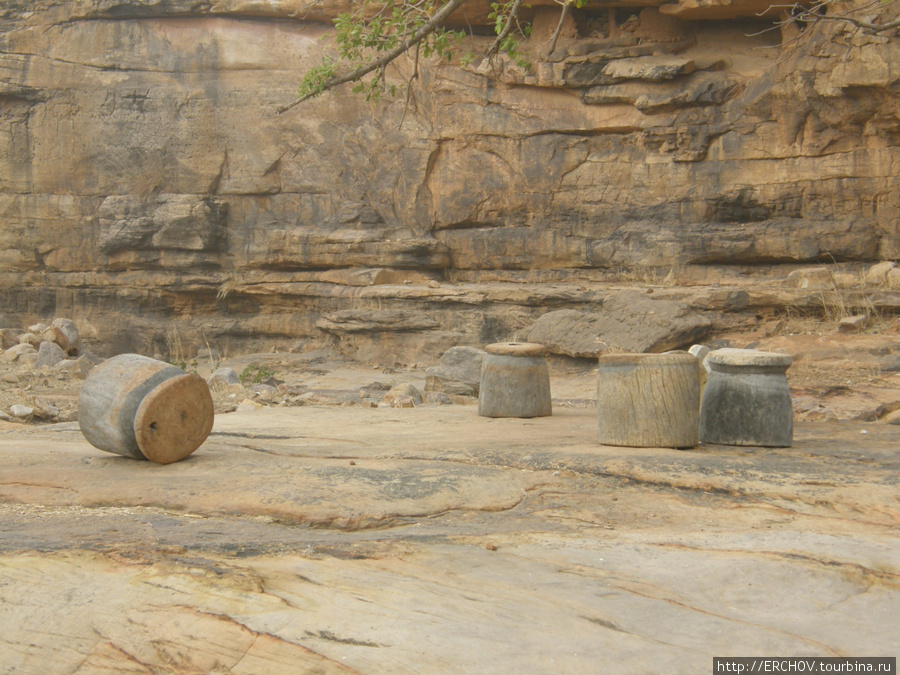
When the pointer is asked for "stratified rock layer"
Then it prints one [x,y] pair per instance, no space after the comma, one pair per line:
[146,173]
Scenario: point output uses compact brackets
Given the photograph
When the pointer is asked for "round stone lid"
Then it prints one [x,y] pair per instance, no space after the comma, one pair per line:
[748,357]
[515,349]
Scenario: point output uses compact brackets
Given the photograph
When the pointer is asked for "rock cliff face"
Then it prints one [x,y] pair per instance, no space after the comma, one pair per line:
[147,181]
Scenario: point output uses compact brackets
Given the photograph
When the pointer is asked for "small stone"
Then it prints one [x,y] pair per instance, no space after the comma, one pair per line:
[248,406]
[266,392]
[37,328]
[4,417]
[403,391]
[853,324]
[438,398]
[224,377]
[65,368]
[403,402]
[434,284]
[814,277]
[491,547]
[21,411]
[45,411]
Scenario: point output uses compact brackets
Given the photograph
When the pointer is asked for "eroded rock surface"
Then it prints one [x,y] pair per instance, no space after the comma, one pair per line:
[148,183]
[475,544]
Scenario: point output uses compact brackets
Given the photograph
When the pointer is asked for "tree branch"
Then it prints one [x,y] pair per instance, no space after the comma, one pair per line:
[507,29]
[812,14]
[424,31]
[559,26]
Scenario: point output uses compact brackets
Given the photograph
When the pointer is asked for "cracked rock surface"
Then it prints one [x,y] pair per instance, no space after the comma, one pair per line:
[335,539]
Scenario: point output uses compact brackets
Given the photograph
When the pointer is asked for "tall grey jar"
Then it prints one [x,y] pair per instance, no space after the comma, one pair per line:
[747,400]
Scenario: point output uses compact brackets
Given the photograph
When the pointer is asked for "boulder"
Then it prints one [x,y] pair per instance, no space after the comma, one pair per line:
[878,274]
[628,321]
[30,338]
[853,324]
[56,336]
[70,332]
[49,354]
[21,411]
[17,353]
[457,373]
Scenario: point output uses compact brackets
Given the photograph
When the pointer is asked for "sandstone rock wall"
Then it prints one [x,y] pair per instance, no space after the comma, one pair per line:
[147,178]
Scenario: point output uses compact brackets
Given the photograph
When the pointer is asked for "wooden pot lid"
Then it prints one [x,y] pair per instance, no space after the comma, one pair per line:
[515,349]
[174,419]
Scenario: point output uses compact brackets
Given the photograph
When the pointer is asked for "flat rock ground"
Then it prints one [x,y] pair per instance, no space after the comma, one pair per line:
[332,538]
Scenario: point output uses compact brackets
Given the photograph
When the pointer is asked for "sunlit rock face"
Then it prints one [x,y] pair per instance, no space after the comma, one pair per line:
[147,176]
